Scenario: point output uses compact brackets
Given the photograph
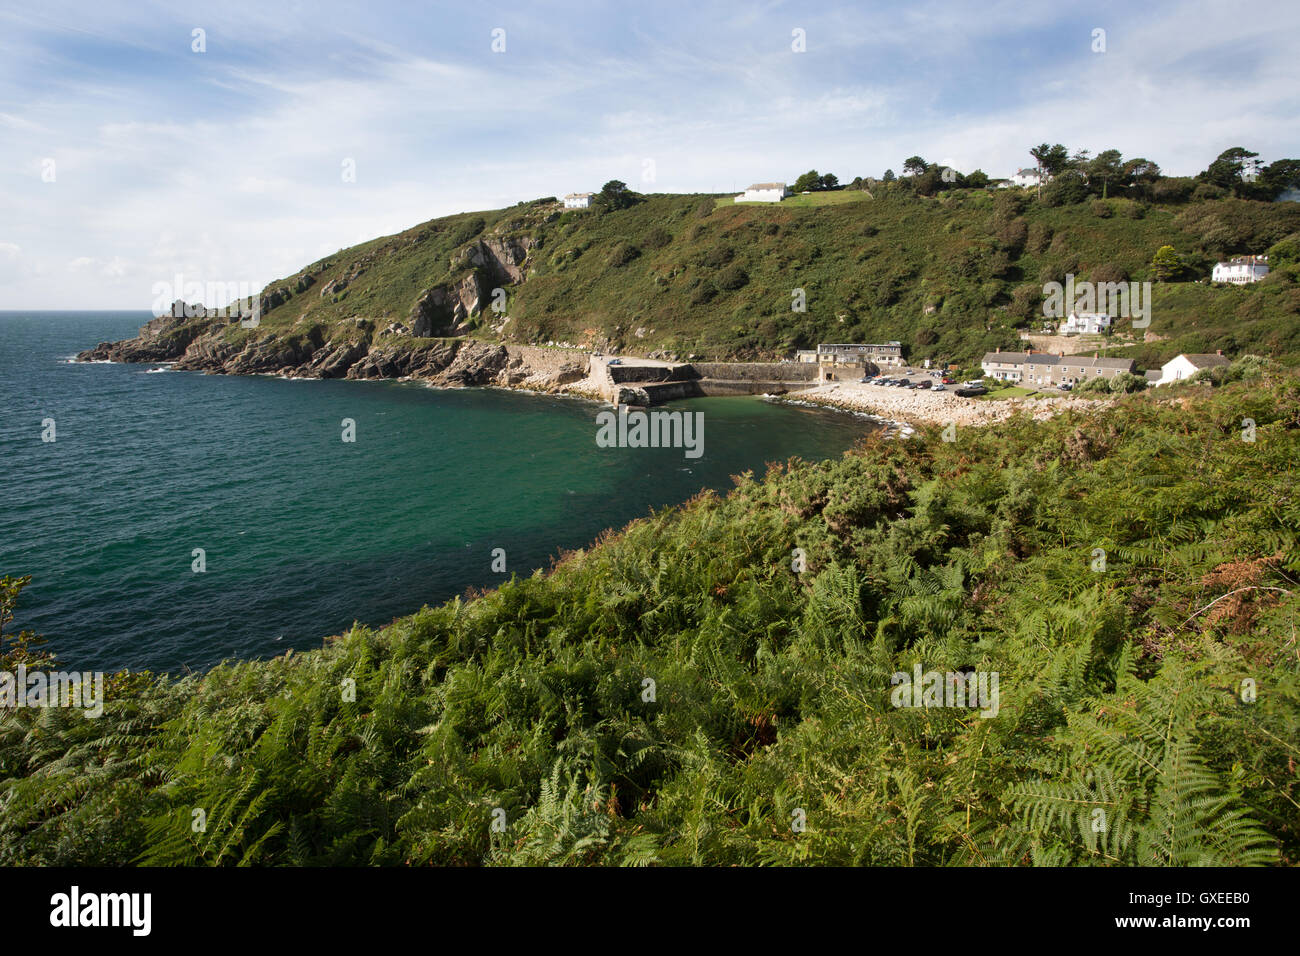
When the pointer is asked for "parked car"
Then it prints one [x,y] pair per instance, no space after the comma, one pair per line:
[939,387]
[615,362]
[923,384]
[970,391]
[1066,386]
[946,380]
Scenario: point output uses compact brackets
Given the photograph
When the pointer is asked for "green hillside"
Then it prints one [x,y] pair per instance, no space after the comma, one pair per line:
[950,276]
[685,692]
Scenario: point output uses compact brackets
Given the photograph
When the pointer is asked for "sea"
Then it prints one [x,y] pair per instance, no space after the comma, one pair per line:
[171,520]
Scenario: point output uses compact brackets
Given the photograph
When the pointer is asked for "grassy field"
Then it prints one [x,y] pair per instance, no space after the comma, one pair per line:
[1012,391]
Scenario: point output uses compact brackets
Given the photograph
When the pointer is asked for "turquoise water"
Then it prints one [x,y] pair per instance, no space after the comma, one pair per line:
[302,532]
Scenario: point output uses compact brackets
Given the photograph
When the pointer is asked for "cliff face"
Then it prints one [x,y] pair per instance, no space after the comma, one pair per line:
[356,352]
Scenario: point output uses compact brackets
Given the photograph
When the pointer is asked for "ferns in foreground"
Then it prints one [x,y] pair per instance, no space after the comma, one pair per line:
[680,694]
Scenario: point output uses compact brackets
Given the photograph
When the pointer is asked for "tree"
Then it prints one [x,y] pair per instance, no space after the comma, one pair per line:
[1057,160]
[889,176]
[1227,171]
[1040,158]
[915,166]
[930,181]
[615,195]
[977,180]
[808,182]
[1106,168]
[1281,175]
[829,181]
[1050,159]
[1066,189]
[1167,263]
[1140,175]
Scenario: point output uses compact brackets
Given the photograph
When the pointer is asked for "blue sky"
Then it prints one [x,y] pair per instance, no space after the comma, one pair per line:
[226,165]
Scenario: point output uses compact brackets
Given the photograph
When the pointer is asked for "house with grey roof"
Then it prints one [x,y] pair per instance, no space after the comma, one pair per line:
[1048,368]
[1184,366]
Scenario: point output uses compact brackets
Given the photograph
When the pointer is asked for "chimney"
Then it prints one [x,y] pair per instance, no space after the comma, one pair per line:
[998,349]
[1096,354]
[1218,351]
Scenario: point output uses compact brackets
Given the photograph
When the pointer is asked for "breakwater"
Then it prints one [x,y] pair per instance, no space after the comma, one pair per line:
[647,384]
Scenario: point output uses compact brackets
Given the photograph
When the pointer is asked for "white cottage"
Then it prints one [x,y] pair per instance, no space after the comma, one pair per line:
[764,192]
[1240,271]
[1085,323]
[578,200]
[1185,366]
[1028,178]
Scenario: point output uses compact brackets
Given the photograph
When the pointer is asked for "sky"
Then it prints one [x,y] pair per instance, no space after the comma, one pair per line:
[133,149]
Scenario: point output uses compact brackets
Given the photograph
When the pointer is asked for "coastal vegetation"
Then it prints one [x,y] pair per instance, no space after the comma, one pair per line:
[715,684]
[951,271]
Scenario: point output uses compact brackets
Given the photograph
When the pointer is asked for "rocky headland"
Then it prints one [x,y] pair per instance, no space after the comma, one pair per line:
[203,344]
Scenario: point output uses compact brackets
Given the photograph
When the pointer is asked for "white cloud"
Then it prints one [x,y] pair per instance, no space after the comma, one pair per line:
[229,168]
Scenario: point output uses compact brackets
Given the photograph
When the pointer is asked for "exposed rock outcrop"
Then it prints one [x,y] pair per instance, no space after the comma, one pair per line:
[443,311]
[204,345]
[163,339]
[476,363]
[502,258]
[493,263]
[397,361]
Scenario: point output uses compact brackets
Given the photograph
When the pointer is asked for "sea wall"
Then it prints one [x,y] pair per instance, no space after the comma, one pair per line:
[656,384]
[758,372]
